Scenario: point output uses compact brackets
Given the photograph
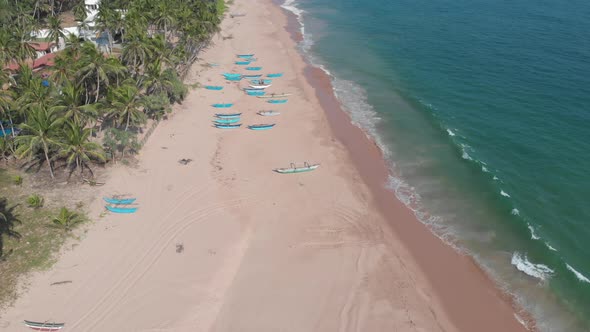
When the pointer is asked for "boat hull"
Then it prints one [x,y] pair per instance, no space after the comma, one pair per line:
[245,56]
[120,210]
[213,87]
[268,113]
[226,121]
[44,326]
[297,169]
[275,75]
[277,101]
[259,87]
[242,63]
[227,116]
[253,68]
[222,105]
[261,127]
[119,201]
[228,126]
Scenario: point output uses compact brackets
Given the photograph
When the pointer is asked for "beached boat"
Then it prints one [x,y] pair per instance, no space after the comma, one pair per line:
[256,93]
[264,86]
[245,56]
[120,209]
[259,81]
[223,105]
[268,113]
[45,326]
[213,87]
[251,90]
[253,68]
[252,76]
[262,126]
[275,95]
[237,15]
[277,101]
[228,126]
[242,63]
[119,201]
[228,115]
[233,78]
[274,75]
[226,120]
[231,75]
[294,169]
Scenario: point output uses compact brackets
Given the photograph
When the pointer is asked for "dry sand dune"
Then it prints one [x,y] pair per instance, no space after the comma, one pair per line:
[262,251]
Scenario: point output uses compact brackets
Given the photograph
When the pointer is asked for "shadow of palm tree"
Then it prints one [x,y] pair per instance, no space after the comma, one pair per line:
[7,221]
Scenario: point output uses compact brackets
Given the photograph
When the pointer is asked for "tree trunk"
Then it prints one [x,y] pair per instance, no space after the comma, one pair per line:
[47,159]
[128,118]
[97,85]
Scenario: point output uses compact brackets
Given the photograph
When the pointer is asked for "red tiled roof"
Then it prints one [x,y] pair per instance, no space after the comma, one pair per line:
[44,61]
[41,46]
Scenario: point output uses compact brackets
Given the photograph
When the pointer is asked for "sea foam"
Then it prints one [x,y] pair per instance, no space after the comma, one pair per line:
[539,271]
[580,276]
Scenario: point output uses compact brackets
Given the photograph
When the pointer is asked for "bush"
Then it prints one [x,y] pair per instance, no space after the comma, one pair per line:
[66,219]
[18,180]
[35,201]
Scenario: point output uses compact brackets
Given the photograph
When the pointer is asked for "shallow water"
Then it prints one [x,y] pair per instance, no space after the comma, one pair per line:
[481,109]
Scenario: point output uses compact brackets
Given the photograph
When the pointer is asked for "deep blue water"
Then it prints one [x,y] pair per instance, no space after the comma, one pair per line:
[482,110]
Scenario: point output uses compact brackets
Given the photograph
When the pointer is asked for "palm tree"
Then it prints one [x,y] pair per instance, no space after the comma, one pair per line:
[96,67]
[136,52]
[63,68]
[77,149]
[69,105]
[55,30]
[40,132]
[80,11]
[35,95]
[66,219]
[124,105]
[6,104]
[8,45]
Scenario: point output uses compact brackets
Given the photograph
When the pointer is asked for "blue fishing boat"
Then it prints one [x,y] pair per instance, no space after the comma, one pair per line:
[120,210]
[228,115]
[261,126]
[228,126]
[245,56]
[260,81]
[118,201]
[253,68]
[277,101]
[213,87]
[242,63]
[226,120]
[274,75]
[233,78]
[232,75]
[222,105]
[255,93]
[252,76]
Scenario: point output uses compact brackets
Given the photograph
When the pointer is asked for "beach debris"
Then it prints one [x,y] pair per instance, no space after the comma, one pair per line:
[179,248]
[60,282]
[93,182]
[184,161]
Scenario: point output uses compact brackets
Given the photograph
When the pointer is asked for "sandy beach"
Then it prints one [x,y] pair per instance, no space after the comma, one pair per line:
[329,250]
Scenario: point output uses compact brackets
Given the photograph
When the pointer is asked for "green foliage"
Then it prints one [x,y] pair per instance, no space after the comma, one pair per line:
[156,105]
[35,201]
[116,140]
[66,219]
[17,180]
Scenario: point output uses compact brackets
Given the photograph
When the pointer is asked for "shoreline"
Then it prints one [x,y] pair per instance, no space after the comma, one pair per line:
[370,162]
[261,251]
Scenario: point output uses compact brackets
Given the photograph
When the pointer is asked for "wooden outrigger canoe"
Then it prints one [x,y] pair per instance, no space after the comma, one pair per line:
[294,169]
[213,87]
[268,113]
[228,115]
[228,126]
[222,105]
[264,126]
[253,68]
[277,101]
[259,87]
[44,326]
[276,95]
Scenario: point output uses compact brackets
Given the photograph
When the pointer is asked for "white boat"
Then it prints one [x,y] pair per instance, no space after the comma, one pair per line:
[275,95]
[268,113]
[260,87]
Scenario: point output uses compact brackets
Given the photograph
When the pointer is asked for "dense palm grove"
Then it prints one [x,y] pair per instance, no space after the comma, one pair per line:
[91,104]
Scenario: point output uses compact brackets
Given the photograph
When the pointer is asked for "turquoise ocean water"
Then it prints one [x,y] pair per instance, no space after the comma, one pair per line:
[483,111]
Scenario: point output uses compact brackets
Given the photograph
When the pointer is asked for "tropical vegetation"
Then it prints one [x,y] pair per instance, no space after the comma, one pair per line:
[96,97]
